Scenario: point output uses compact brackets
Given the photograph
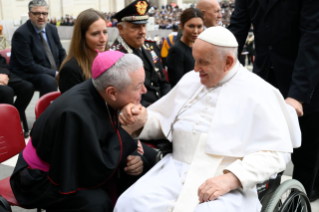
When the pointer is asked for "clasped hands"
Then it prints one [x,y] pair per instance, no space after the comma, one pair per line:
[132,118]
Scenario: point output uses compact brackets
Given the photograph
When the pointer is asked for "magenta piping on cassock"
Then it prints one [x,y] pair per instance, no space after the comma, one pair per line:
[30,156]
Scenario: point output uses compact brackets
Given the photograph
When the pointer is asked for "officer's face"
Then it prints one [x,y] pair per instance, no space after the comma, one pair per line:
[39,17]
[96,36]
[133,34]
[211,66]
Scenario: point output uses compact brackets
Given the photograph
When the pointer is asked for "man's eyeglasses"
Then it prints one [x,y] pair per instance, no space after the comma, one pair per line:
[38,14]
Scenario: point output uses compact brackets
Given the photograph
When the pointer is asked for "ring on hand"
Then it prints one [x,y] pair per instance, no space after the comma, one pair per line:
[120,113]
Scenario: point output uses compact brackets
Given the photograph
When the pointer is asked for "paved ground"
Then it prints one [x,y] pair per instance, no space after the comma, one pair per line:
[6,168]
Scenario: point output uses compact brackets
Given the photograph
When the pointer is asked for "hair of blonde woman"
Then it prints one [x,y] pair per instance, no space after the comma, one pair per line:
[78,46]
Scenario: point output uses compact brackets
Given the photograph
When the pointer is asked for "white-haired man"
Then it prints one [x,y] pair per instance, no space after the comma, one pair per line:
[212,12]
[78,146]
[229,128]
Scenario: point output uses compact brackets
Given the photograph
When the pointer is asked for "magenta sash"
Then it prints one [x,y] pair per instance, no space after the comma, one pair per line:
[30,156]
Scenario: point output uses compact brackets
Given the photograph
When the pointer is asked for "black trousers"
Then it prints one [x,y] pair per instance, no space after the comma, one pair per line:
[43,83]
[33,189]
[250,58]
[306,158]
[24,91]
[242,59]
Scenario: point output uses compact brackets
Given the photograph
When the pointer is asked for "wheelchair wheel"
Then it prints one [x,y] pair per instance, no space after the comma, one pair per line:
[290,196]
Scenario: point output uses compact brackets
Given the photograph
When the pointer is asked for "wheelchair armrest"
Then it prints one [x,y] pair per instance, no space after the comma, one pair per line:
[266,188]
[165,147]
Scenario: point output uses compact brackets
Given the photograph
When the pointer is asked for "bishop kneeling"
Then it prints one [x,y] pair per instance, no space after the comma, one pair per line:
[229,128]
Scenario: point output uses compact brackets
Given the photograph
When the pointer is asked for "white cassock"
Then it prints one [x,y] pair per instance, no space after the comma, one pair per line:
[241,125]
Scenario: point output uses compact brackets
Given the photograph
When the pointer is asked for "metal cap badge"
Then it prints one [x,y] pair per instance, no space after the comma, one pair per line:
[135,13]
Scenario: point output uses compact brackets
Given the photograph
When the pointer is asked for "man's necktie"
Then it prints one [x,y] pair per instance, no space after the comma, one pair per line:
[48,51]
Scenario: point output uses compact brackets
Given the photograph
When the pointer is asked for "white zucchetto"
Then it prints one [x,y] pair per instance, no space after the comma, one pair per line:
[219,36]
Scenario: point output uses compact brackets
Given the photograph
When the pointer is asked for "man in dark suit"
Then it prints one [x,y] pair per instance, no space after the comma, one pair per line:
[287,51]
[11,85]
[36,49]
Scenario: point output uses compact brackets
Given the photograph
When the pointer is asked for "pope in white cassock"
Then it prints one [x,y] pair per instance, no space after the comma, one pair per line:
[229,128]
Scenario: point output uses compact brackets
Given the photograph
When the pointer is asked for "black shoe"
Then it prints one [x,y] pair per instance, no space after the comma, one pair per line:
[26,134]
[314,195]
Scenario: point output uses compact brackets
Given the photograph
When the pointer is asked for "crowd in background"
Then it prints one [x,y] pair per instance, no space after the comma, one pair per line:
[165,16]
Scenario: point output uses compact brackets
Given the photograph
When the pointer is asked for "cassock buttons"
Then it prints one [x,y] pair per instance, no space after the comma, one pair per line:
[152,84]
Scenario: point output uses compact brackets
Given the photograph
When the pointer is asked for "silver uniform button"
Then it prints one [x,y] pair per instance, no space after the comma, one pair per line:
[151,84]
[157,93]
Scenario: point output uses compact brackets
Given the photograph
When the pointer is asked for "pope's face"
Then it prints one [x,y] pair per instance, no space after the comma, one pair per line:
[133,92]
[37,18]
[133,34]
[208,65]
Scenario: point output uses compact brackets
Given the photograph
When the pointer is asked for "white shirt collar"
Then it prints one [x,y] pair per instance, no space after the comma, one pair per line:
[38,31]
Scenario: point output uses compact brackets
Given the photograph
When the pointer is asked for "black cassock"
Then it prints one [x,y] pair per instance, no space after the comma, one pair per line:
[84,147]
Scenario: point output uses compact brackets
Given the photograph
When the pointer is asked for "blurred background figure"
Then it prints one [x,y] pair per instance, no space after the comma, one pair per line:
[250,49]
[168,42]
[212,12]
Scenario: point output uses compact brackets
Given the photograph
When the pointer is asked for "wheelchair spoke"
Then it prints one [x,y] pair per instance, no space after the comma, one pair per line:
[298,203]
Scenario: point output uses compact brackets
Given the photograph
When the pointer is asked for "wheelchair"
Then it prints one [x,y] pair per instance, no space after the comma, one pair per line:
[290,196]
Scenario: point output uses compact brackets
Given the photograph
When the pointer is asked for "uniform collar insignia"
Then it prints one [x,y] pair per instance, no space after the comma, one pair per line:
[124,44]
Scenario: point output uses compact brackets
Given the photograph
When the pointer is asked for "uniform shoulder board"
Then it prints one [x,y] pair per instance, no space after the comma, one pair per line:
[116,47]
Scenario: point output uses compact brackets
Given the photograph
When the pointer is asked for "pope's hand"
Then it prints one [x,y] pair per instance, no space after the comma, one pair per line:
[217,186]
[4,79]
[127,113]
[134,165]
[295,104]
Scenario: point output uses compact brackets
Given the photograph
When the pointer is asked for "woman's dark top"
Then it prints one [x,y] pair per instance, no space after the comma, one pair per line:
[179,61]
[71,74]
